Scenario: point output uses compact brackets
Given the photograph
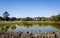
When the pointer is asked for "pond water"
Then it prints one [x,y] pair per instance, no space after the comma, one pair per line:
[30,28]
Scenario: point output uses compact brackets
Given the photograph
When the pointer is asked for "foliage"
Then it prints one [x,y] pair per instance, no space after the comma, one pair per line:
[13,27]
[6,18]
[27,19]
[13,19]
[1,18]
[55,18]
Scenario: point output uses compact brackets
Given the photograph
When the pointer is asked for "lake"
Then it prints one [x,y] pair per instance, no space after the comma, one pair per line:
[31,28]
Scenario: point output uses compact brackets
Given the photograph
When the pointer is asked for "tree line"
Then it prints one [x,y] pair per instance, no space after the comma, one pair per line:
[7,18]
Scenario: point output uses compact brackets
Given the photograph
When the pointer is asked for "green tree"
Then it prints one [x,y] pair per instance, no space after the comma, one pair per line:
[5,16]
[13,19]
[18,19]
[1,18]
[58,17]
[55,17]
[28,19]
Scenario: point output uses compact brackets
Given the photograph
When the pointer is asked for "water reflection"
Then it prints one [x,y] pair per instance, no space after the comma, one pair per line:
[30,28]
[56,26]
[4,28]
[13,27]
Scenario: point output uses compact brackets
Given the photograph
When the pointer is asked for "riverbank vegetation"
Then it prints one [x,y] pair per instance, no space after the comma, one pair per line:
[28,22]
[6,20]
[6,17]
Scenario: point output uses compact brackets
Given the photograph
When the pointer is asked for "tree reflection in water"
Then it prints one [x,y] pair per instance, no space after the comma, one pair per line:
[13,27]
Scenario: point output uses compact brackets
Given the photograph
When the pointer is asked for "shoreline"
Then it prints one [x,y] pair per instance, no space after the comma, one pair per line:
[28,22]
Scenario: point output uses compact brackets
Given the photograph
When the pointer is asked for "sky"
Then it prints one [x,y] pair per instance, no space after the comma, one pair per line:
[30,8]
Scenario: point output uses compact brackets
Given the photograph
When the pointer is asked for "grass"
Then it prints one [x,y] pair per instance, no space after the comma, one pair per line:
[28,22]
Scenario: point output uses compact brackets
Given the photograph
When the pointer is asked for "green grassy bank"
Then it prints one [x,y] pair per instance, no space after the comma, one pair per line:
[28,22]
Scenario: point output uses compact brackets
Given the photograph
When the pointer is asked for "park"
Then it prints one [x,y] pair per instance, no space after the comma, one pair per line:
[29,18]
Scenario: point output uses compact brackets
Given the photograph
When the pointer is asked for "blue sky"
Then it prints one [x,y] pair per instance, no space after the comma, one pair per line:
[30,8]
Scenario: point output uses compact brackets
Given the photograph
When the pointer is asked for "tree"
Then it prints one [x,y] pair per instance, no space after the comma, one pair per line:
[58,17]
[18,19]
[55,17]
[28,19]
[1,18]
[5,16]
[13,19]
